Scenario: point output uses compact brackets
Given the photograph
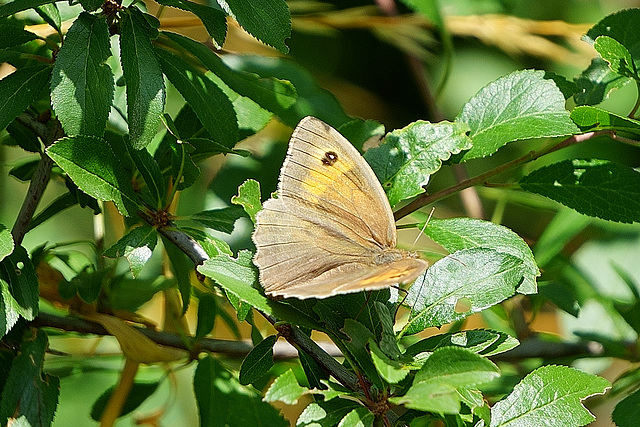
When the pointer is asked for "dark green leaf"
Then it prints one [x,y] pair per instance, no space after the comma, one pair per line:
[87,284]
[93,167]
[408,156]
[622,27]
[314,373]
[564,226]
[597,188]
[563,297]
[359,131]
[219,219]
[222,401]
[24,172]
[29,395]
[312,100]
[51,15]
[129,294]
[627,411]
[455,234]
[150,171]
[82,84]
[258,362]
[207,310]
[211,105]
[181,266]
[285,389]
[140,68]
[24,137]
[460,284]
[267,20]
[271,93]
[19,5]
[249,198]
[357,345]
[9,309]
[136,246]
[18,271]
[91,5]
[520,105]
[138,394]
[214,20]
[14,35]
[596,82]
[388,342]
[552,394]
[6,242]
[20,89]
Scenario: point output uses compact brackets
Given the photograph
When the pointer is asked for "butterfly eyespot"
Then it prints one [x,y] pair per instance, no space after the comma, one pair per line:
[330,158]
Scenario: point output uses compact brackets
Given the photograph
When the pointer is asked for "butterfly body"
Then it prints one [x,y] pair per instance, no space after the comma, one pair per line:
[331,229]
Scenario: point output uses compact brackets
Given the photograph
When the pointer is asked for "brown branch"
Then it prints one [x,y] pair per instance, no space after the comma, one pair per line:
[40,177]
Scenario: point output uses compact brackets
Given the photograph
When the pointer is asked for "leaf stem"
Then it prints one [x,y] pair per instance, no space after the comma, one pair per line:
[426,198]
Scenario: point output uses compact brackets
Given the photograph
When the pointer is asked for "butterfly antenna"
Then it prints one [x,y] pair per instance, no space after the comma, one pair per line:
[424,227]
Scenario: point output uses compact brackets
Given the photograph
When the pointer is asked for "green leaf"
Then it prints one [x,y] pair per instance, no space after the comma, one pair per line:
[445,374]
[564,226]
[622,27]
[181,267]
[326,413]
[20,89]
[93,167]
[520,105]
[219,219]
[18,271]
[6,242]
[19,5]
[22,136]
[90,5]
[222,401]
[550,393]
[408,157]
[267,20]
[616,55]
[273,94]
[82,84]
[285,389]
[28,393]
[391,371]
[136,246]
[150,171]
[481,341]
[207,310]
[627,411]
[129,294]
[238,276]
[597,188]
[51,15]
[14,35]
[357,344]
[596,82]
[465,233]
[9,309]
[358,417]
[211,105]
[460,284]
[141,71]
[214,20]
[87,284]
[388,342]
[249,198]
[358,132]
[590,118]
[138,394]
[258,362]
[312,100]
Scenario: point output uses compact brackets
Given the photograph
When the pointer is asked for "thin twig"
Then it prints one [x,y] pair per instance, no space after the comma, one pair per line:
[426,199]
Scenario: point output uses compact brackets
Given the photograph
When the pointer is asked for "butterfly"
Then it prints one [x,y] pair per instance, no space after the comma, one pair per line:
[330,230]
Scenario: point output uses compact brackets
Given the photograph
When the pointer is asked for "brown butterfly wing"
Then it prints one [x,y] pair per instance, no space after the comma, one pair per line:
[330,221]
